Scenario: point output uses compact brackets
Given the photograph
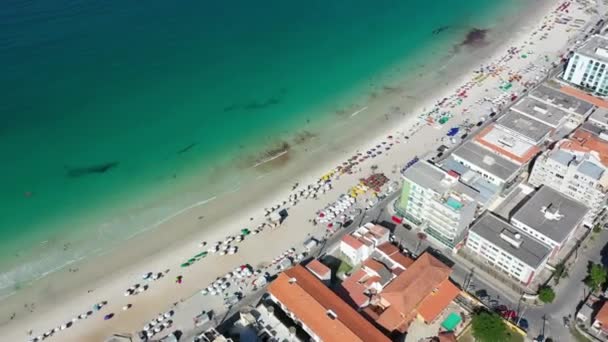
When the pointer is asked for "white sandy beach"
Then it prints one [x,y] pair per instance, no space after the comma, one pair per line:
[57,301]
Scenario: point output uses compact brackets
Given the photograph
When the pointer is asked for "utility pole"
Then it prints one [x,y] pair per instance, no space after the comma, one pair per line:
[468,278]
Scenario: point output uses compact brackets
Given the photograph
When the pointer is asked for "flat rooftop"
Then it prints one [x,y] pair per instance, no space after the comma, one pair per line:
[556,98]
[507,144]
[432,177]
[595,47]
[551,213]
[529,128]
[487,190]
[540,111]
[527,249]
[600,116]
[486,160]
[584,163]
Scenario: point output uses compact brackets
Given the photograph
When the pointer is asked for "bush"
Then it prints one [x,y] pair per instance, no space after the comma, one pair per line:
[596,276]
[546,294]
[489,327]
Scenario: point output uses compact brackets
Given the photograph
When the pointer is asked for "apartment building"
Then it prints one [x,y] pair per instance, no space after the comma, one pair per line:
[438,202]
[587,67]
[506,248]
[550,217]
[577,167]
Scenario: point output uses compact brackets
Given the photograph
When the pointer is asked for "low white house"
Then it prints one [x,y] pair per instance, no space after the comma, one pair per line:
[360,244]
[356,250]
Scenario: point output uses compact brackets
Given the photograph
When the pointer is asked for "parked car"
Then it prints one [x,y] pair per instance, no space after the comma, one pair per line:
[509,314]
[523,323]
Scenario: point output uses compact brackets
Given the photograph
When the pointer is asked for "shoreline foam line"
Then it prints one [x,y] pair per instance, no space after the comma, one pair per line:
[270,159]
[359,111]
[100,252]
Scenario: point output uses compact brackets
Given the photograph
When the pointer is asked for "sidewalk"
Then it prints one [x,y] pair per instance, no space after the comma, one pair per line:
[513,292]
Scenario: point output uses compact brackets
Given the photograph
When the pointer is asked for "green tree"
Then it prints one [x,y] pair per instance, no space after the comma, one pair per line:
[546,294]
[596,276]
[489,327]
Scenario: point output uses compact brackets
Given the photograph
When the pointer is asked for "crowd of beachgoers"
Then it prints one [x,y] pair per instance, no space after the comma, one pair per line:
[325,203]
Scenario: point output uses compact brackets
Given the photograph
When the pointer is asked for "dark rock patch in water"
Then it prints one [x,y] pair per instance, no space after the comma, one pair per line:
[76,172]
[439,30]
[475,37]
[186,149]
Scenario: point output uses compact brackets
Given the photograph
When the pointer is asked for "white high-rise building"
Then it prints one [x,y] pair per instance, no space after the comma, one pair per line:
[587,67]
[438,202]
[576,167]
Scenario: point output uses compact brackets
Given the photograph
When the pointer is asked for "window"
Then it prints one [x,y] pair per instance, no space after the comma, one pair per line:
[331,314]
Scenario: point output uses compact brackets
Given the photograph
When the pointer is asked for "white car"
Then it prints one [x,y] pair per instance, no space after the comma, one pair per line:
[169,313]
[147,276]
[204,292]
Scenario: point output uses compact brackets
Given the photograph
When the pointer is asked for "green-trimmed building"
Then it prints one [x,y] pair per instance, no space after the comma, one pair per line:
[438,202]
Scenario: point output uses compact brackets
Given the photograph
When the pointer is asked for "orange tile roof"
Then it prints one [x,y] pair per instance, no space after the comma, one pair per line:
[585,141]
[309,300]
[318,268]
[394,254]
[406,292]
[402,260]
[374,265]
[581,95]
[354,290]
[530,153]
[352,241]
[379,231]
[438,300]
[602,315]
[388,248]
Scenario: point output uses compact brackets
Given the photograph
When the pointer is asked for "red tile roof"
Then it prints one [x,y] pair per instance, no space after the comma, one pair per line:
[406,292]
[352,241]
[388,248]
[394,254]
[373,265]
[309,300]
[403,260]
[318,268]
[584,141]
[438,300]
[379,231]
[581,95]
[602,315]
[354,290]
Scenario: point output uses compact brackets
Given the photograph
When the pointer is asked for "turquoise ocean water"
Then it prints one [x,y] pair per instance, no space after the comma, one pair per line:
[106,105]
